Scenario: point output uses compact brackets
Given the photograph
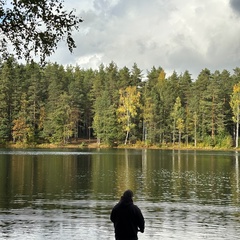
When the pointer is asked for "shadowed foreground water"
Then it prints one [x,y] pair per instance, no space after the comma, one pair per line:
[59,194]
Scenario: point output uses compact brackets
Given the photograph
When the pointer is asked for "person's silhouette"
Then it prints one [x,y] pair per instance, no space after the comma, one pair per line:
[127,218]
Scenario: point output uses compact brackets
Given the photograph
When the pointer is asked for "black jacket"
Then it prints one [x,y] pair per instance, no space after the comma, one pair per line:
[127,219]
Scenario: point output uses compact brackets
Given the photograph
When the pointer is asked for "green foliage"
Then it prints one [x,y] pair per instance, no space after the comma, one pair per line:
[224,141]
[104,121]
[235,105]
[35,26]
[59,105]
[129,102]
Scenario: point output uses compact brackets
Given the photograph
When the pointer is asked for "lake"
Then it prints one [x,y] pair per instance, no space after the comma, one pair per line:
[68,194]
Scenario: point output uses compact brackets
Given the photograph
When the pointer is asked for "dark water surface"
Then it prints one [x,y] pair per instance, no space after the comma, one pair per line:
[68,194]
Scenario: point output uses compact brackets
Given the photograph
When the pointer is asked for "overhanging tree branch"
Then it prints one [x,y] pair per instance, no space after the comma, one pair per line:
[35,27]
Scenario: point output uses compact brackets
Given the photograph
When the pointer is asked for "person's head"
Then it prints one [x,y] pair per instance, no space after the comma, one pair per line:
[127,196]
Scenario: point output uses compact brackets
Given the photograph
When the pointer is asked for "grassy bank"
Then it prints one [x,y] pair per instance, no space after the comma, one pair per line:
[92,143]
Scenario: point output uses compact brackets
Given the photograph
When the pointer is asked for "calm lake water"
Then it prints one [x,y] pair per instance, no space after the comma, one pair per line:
[68,194]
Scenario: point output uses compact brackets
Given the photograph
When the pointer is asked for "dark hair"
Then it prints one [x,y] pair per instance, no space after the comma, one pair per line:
[128,194]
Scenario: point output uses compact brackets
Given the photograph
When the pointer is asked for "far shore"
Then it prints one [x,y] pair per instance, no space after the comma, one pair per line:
[93,144]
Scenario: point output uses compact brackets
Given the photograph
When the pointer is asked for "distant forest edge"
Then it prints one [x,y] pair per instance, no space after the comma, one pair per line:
[53,104]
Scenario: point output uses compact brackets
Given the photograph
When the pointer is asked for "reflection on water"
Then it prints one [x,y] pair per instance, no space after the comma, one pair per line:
[69,194]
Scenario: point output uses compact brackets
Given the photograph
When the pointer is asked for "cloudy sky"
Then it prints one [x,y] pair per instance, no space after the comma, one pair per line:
[174,34]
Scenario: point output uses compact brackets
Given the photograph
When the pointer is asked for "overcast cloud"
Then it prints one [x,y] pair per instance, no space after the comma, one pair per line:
[176,35]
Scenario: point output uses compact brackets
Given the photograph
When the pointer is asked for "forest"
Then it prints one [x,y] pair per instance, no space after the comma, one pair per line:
[117,106]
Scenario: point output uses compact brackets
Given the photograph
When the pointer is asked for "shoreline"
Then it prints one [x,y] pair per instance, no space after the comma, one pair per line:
[92,144]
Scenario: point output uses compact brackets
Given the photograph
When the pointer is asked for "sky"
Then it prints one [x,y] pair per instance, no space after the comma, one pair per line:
[177,35]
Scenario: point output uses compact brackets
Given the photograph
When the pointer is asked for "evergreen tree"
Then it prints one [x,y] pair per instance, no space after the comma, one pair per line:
[36,97]
[136,76]
[167,96]
[54,104]
[213,107]
[6,80]
[226,86]
[104,121]
[148,120]
[99,83]
[76,93]
[22,129]
[57,103]
[112,82]
[87,102]
[173,89]
[105,100]
[198,106]
[185,88]
[153,97]
[124,78]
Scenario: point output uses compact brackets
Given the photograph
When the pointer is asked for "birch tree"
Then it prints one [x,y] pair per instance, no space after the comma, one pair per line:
[235,105]
[178,122]
[129,102]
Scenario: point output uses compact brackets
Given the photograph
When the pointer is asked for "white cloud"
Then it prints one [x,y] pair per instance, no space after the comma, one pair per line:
[90,60]
[176,35]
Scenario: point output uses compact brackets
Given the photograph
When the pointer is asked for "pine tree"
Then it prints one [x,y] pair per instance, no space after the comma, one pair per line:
[213,105]
[23,130]
[76,93]
[198,108]
[4,104]
[185,88]
[124,78]
[153,88]
[104,121]
[36,97]
[89,76]
[57,105]
[112,82]
[136,76]
[8,80]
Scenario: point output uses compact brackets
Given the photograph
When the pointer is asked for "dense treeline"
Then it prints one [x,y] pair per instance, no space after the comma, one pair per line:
[53,104]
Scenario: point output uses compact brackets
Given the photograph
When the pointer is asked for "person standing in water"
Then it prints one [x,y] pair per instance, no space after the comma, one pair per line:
[127,218]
